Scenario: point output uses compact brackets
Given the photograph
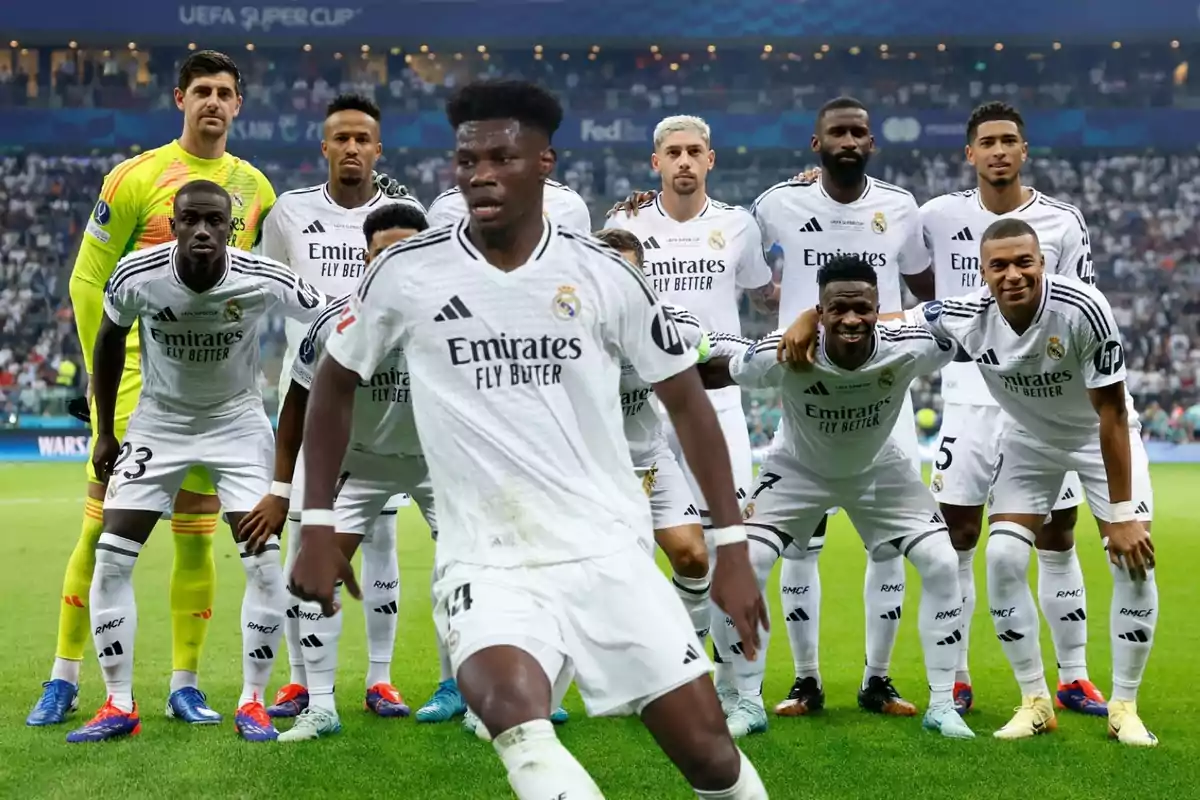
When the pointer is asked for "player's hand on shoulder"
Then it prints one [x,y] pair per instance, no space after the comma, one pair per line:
[104,455]
[808,176]
[735,591]
[798,347]
[1130,548]
[388,185]
[631,203]
[265,520]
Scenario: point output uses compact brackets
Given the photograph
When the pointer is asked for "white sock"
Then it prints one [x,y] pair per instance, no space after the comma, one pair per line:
[539,767]
[446,671]
[65,669]
[1133,618]
[800,594]
[291,625]
[883,597]
[940,614]
[1013,611]
[966,584]
[114,615]
[381,598]
[264,606]
[694,592]
[183,679]
[748,787]
[748,675]
[1064,605]
[319,637]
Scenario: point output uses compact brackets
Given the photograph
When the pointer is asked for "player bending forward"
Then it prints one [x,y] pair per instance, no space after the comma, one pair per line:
[542,523]
[384,460]
[1051,355]
[840,415]
[199,304]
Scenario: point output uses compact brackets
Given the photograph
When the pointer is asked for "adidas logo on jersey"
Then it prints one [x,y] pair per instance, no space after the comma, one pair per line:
[690,655]
[166,315]
[812,226]
[455,309]
[314,227]
[963,236]
[817,388]
[988,358]
[1142,508]
[651,244]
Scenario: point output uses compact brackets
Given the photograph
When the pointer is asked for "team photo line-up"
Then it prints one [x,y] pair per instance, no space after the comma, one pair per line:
[580,396]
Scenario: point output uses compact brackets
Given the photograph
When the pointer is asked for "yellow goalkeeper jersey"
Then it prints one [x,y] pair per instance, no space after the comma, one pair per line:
[134,212]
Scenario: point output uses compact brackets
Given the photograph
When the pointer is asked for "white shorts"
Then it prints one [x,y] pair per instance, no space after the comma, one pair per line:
[615,622]
[369,482]
[888,504]
[737,439]
[159,449]
[967,446]
[671,501]
[1028,474]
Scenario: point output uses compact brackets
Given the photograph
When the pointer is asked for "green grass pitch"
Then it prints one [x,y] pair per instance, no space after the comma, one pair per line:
[844,753]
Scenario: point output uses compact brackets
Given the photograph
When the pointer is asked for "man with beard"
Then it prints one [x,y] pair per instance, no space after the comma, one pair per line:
[972,421]
[845,212]
[700,254]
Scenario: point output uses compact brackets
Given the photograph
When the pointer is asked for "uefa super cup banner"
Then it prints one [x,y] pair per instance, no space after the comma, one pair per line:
[72,129]
[411,22]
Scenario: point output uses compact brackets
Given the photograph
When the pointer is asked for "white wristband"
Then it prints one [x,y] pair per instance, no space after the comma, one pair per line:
[1124,512]
[731,535]
[318,517]
[280,489]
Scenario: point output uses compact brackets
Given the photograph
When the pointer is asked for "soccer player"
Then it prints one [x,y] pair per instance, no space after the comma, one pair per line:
[384,459]
[845,211]
[838,452]
[1051,355]
[972,421]
[677,528]
[317,232]
[134,213]
[700,255]
[199,305]
[543,527]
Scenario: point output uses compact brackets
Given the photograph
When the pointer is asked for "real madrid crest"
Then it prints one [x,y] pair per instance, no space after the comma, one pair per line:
[1055,348]
[748,511]
[716,240]
[648,479]
[935,485]
[886,379]
[879,222]
[233,312]
[566,303]
[236,198]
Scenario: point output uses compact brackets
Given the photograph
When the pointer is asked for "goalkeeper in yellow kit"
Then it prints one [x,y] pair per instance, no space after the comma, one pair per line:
[133,212]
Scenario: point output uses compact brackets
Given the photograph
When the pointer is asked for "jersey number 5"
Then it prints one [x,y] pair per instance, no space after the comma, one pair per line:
[947,458]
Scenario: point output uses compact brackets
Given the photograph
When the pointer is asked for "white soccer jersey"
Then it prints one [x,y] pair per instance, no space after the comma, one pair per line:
[560,203]
[200,351]
[643,426]
[952,226]
[1040,378]
[515,385]
[703,263]
[838,420]
[383,418]
[322,242]
[810,228]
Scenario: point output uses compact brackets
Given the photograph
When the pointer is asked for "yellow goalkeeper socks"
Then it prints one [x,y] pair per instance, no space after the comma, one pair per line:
[74,619]
[193,586]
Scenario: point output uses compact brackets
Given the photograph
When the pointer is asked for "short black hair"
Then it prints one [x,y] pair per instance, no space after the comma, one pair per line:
[621,239]
[354,102]
[392,216]
[203,187]
[847,267]
[1008,228]
[994,111]
[838,103]
[527,103]
[204,63]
